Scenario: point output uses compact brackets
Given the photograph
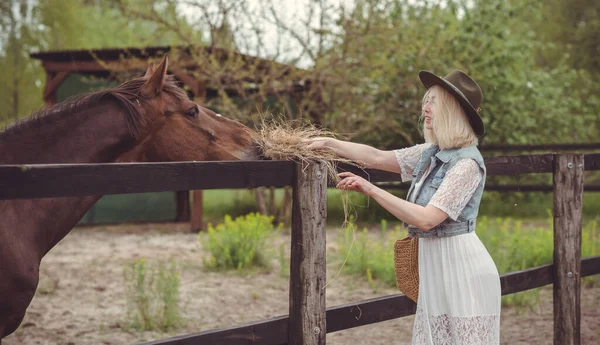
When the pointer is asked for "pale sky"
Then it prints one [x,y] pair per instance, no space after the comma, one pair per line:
[291,12]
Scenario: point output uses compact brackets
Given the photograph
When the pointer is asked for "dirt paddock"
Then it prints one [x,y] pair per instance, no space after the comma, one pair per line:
[81,297]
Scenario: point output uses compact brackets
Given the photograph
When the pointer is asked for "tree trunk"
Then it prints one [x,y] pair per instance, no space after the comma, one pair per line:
[13,41]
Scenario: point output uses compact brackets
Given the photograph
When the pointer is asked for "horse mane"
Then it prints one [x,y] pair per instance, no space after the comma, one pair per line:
[127,95]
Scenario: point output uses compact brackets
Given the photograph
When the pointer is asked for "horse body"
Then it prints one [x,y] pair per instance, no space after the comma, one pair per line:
[147,119]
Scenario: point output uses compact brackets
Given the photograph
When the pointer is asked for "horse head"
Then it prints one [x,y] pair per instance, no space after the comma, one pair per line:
[172,127]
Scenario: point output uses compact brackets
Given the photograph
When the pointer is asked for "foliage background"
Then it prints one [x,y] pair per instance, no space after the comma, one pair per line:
[537,62]
[357,60]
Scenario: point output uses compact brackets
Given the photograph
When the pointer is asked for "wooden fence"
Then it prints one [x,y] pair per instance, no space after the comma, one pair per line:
[309,319]
[539,147]
[185,211]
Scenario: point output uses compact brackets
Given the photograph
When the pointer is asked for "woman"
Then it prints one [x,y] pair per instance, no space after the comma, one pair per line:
[459,285]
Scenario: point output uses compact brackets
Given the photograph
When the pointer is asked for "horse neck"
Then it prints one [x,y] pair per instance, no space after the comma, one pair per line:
[96,135]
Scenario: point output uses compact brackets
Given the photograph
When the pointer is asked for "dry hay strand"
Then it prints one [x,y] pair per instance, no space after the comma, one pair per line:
[287,140]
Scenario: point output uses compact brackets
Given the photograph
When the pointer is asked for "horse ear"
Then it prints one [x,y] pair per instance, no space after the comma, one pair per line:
[154,85]
[149,71]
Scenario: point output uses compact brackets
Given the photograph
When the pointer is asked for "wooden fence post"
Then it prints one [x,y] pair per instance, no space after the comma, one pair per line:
[307,263]
[182,206]
[198,88]
[568,195]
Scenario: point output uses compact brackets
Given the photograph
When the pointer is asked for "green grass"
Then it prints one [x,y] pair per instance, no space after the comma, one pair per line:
[514,245]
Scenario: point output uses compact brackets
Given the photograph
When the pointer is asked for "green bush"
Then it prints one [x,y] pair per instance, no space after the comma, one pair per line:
[238,243]
[153,295]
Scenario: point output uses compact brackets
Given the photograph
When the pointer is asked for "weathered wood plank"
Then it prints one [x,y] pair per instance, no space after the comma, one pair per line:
[497,188]
[197,211]
[346,316]
[518,165]
[592,162]
[505,165]
[182,202]
[265,332]
[307,262]
[31,181]
[59,180]
[53,83]
[95,66]
[551,147]
[590,266]
[369,311]
[526,279]
[568,195]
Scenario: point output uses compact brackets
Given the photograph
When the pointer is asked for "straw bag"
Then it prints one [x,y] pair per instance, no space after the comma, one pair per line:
[406,258]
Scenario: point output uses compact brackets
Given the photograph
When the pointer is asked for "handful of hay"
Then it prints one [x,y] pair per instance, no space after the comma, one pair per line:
[284,141]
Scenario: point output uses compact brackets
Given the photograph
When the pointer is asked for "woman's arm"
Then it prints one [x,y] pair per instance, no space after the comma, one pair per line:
[423,218]
[401,161]
[452,196]
[367,155]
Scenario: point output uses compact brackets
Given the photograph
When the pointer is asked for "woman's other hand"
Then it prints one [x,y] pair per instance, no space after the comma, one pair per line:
[350,181]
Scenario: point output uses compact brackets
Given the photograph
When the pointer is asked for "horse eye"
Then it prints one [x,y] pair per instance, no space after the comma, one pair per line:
[193,112]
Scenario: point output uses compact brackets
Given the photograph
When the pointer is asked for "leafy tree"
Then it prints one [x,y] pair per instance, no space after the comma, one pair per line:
[20,81]
[29,26]
[385,46]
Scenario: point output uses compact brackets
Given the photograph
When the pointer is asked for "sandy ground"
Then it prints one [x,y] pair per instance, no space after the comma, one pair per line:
[81,296]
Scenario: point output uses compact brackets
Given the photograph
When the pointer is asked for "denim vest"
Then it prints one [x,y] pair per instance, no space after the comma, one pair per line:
[439,163]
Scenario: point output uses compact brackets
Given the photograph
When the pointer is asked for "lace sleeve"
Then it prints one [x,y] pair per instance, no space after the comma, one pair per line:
[457,188]
[408,158]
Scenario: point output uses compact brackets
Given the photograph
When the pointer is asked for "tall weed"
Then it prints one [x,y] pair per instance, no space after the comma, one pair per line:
[370,254]
[153,295]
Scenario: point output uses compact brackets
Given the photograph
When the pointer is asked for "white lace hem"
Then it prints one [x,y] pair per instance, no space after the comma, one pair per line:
[455,330]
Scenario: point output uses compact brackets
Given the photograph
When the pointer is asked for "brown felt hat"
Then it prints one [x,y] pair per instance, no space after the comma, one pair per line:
[466,91]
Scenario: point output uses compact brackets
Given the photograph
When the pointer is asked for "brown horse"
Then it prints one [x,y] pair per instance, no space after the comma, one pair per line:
[144,119]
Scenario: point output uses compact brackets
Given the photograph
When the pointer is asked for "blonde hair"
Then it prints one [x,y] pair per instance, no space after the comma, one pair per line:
[451,127]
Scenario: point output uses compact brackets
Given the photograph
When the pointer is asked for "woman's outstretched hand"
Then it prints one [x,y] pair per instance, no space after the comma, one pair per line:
[355,183]
[317,143]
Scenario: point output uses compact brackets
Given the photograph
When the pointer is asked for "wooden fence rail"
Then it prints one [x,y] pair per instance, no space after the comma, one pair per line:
[539,147]
[497,188]
[309,319]
[61,180]
[342,317]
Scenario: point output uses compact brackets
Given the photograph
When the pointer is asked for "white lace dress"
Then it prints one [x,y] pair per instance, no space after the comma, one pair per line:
[459,286]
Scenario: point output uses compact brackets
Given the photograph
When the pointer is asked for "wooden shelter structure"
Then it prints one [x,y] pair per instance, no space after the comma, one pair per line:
[198,68]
